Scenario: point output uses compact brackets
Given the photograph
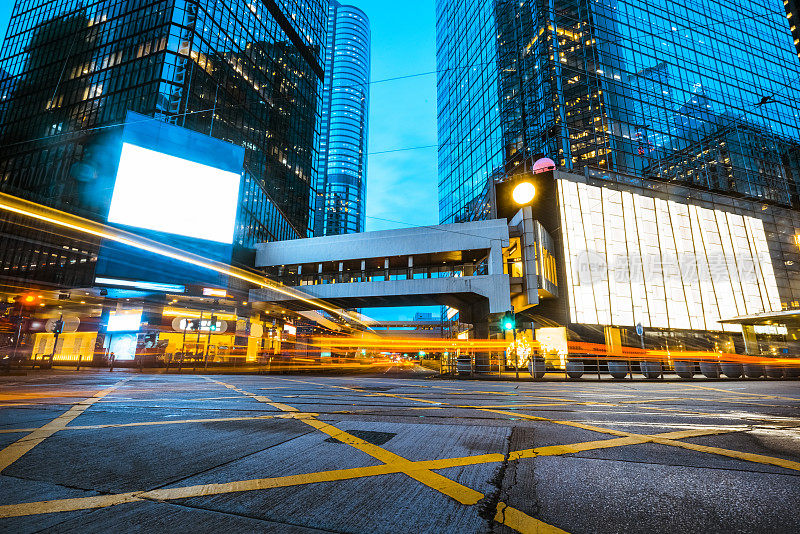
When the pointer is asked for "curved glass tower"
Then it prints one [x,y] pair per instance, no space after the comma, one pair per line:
[342,186]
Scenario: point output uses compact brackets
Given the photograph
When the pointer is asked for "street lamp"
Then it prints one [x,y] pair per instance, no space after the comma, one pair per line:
[523,193]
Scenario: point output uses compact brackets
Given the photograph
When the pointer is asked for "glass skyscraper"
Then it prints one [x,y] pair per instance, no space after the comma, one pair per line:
[793,14]
[675,130]
[705,94]
[247,73]
[342,184]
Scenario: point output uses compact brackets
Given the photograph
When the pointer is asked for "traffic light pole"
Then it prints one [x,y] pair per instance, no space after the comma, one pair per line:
[57,327]
[516,356]
[197,344]
[208,339]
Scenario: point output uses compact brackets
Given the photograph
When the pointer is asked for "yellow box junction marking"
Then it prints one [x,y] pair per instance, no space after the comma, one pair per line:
[19,448]
[522,522]
[420,470]
[452,489]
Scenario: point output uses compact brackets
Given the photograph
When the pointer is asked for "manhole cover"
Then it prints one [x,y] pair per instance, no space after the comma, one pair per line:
[376,438]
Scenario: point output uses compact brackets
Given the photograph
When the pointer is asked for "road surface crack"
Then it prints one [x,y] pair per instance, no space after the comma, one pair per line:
[487,508]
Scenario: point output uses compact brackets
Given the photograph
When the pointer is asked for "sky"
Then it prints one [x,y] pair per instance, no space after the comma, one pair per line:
[401,186]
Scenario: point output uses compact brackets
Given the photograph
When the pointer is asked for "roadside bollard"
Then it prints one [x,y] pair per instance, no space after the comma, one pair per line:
[710,369]
[650,369]
[617,369]
[536,368]
[574,368]
[753,370]
[732,369]
[684,369]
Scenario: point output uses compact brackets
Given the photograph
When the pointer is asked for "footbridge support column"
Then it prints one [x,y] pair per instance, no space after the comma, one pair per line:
[478,316]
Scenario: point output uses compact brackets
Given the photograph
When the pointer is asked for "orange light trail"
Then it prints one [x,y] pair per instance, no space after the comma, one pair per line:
[66,220]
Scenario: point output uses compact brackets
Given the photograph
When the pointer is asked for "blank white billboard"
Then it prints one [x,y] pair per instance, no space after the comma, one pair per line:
[165,193]
[632,258]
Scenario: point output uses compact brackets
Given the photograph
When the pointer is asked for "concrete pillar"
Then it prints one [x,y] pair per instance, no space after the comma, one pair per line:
[495,263]
[478,316]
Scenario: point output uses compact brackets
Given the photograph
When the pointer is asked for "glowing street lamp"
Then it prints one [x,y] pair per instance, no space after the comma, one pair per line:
[523,193]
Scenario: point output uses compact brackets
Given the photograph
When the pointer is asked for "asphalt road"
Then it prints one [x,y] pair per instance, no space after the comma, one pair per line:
[95,451]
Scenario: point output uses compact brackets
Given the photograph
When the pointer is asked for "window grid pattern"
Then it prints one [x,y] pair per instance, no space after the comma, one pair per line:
[469,127]
[632,258]
[653,88]
[71,70]
[343,149]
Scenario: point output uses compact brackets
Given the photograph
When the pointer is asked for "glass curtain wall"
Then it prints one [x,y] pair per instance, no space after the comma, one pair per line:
[250,74]
[342,186]
[699,92]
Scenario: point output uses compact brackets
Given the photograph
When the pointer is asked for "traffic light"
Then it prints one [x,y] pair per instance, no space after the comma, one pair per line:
[194,324]
[508,322]
[58,326]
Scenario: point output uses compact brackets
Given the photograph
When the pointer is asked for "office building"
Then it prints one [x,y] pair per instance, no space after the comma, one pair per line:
[793,14]
[675,132]
[247,74]
[342,184]
[615,85]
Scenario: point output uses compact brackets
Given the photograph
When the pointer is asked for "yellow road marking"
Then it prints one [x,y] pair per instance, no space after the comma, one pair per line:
[522,522]
[747,456]
[66,505]
[576,403]
[661,440]
[449,487]
[16,450]
[671,441]
[169,422]
[85,503]
[421,471]
[452,489]
[44,395]
[744,393]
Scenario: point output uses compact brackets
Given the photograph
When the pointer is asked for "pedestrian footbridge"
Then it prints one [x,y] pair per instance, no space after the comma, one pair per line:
[457,265]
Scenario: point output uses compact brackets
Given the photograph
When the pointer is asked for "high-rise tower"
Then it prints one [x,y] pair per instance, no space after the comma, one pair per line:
[707,98]
[342,182]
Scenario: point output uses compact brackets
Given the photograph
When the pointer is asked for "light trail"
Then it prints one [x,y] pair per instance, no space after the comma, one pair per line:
[66,220]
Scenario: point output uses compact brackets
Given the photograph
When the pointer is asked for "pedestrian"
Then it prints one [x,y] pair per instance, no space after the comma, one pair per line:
[111,361]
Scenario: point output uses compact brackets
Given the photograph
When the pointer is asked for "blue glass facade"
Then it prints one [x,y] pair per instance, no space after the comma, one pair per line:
[700,93]
[342,183]
[793,16]
[247,73]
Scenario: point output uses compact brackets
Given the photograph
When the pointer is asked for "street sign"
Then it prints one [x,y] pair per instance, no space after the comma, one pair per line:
[639,329]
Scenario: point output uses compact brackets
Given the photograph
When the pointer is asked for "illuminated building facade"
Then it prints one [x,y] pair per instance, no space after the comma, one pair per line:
[342,185]
[249,74]
[618,85]
[676,134]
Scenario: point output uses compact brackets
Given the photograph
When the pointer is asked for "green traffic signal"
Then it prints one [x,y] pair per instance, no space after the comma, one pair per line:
[508,322]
